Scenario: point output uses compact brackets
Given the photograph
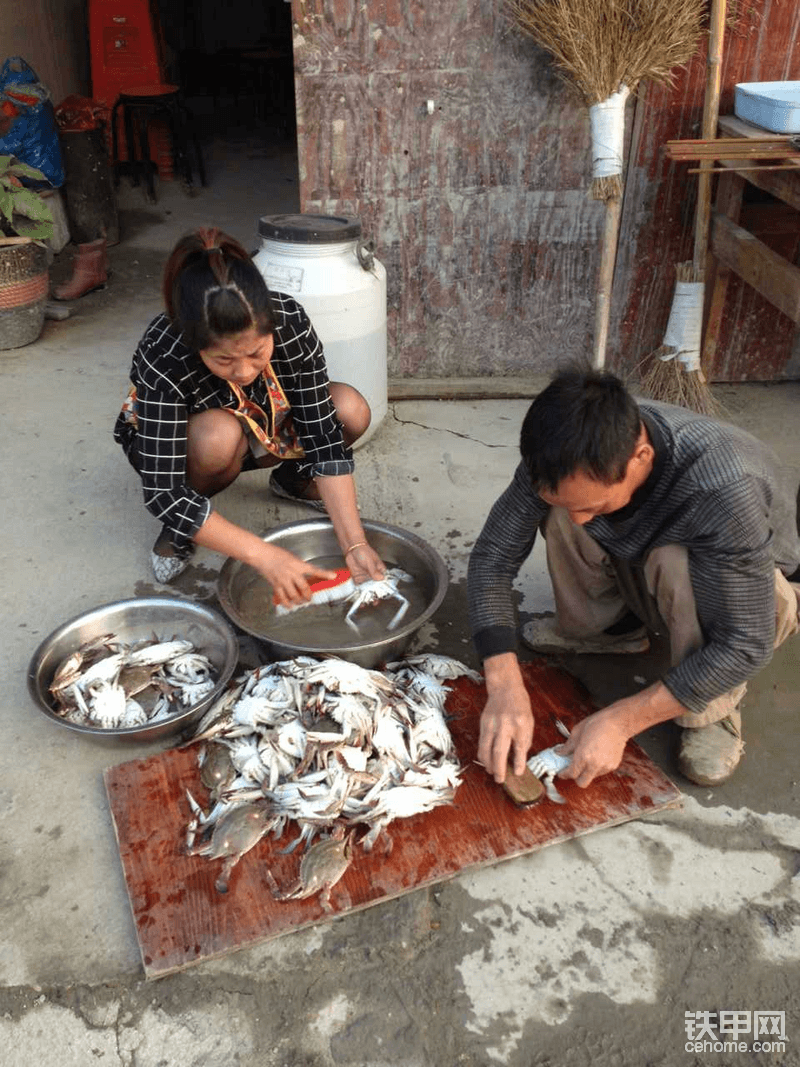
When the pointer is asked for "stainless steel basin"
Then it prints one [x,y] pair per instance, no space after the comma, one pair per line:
[131,621]
[314,539]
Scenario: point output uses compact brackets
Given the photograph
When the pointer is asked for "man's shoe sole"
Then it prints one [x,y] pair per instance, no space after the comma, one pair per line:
[628,644]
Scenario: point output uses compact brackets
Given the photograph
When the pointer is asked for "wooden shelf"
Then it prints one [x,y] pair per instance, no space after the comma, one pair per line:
[734,250]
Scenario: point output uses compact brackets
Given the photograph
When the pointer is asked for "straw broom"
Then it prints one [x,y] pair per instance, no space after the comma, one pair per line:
[605,48]
[674,373]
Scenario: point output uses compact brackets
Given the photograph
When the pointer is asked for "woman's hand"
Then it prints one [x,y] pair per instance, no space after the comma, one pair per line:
[289,575]
[365,564]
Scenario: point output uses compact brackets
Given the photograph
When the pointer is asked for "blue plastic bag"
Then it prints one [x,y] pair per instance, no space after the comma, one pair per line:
[33,136]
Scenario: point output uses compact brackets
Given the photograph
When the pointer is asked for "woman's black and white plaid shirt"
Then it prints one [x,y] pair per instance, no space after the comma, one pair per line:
[172,382]
[715,490]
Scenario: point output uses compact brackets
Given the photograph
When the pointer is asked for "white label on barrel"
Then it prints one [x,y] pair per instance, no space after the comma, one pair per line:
[284,279]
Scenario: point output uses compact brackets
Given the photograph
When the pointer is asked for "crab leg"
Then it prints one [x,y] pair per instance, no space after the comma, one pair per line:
[221,882]
[194,823]
[398,614]
[550,788]
[390,625]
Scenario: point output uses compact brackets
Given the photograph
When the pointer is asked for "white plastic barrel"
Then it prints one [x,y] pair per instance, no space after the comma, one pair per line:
[322,262]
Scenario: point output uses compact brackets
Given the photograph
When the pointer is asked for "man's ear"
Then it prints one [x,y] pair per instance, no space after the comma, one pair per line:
[644,453]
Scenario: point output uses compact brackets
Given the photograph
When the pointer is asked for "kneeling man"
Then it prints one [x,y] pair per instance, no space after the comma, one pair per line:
[654,518]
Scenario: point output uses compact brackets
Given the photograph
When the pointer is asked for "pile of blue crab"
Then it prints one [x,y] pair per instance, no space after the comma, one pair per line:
[326,745]
[97,685]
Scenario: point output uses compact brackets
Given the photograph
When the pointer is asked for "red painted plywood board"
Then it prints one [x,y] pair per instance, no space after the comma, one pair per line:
[181,919]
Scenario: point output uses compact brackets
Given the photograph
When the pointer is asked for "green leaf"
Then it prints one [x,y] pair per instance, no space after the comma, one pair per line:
[23,170]
[29,203]
[23,211]
[6,203]
[38,231]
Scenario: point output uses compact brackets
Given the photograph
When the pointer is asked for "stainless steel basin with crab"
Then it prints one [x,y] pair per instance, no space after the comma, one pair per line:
[133,621]
[382,632]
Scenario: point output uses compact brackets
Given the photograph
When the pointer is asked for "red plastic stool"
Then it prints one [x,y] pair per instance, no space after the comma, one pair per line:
[126,46]
[140,105]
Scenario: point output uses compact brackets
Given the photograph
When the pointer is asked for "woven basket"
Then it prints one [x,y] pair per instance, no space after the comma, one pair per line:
[24,285]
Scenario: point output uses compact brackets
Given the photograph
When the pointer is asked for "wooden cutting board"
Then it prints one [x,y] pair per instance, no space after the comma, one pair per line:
[181,919]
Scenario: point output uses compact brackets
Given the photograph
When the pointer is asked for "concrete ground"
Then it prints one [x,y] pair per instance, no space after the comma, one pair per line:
[590,952]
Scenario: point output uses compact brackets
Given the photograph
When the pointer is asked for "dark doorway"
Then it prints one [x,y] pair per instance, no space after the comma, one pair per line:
[234,62]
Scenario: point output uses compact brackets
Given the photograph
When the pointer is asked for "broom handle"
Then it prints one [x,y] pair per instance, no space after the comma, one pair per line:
[605,279]
[710,120]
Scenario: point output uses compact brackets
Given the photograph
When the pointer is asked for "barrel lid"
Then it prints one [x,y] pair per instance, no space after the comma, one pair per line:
[309,229]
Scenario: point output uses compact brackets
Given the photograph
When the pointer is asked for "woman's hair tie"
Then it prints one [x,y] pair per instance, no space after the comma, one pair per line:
[219,266]
[209,238]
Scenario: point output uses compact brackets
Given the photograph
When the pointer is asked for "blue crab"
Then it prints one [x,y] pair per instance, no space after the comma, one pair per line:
[548,763]
[372,592]
[320,869]
[236,830]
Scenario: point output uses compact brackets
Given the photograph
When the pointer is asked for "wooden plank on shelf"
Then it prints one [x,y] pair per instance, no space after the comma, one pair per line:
[748,168]
[727,148]
[768,273]
[180,918]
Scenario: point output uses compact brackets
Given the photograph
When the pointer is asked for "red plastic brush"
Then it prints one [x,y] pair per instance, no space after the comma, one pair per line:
[327,591]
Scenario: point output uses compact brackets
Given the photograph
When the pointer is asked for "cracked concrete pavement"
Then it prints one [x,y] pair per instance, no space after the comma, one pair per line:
[589,952]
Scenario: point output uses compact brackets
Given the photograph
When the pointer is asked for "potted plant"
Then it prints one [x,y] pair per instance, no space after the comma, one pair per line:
[25,223]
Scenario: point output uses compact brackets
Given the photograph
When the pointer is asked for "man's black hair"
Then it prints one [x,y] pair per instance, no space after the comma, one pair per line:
[586,422]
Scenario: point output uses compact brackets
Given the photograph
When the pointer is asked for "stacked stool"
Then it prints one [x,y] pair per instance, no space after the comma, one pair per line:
[129,78]
[141,104]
